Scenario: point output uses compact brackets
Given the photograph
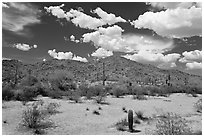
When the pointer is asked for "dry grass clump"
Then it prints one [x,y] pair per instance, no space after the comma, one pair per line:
[36,116]
[122,124]
[172,124]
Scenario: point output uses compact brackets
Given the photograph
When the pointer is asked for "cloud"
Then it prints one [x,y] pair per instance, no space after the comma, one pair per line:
[157,59]
[72,38]
[112,39]
[174,5]
[179,22]
[78,58]
[60,55]
[56,11]
[191,56]
[44,60]
[24,47]
[83,20]
[102,53]
[65,55]
[19,15]
[194,65]
[35,46]
[108,18]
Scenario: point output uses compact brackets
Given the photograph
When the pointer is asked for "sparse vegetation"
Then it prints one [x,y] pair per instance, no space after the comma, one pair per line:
[36,115]
[52,108]
[118,91]
[198,106]
[7,93]
[172,124]
[122,124]
[96,112]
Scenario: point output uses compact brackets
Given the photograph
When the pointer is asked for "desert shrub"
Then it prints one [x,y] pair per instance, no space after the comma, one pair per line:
[139,93]
[122,124]
[27,93]
[172,124]
[62,80]
[153,91]
[96,112]
[124,109]
[193,90]
[140,115]
[7,93]
[83,89]
[75,96]
[29,81]
[34,115]
[55,94]
[198,106]
[118,91]
[52,108]
[97,91]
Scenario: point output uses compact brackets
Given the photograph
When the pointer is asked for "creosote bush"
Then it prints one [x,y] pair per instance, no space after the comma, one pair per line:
[118,91]
[36,115]
[61,80]
[172,124]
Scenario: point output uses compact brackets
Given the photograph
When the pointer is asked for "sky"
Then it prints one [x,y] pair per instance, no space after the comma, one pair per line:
[166,35]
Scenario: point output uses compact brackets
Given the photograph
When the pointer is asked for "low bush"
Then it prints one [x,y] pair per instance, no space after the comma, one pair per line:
[198,106]
[96,112]
[29,81]
[122,124]
[62,80]
[26,93]
[56,94]
[52,108]
[7,93]
[172,124]
[36,116]
[75,96]
[140,115]
[118,91]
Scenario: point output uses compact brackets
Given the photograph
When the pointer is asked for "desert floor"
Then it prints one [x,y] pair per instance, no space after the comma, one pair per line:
[74,119]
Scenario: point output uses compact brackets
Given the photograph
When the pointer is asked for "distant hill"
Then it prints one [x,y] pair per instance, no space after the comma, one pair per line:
[116,69]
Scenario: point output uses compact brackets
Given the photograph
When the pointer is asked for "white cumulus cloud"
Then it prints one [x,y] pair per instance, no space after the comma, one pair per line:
[60,55]
[157,59]
[191,56]
[179,22]
[174,5]
[65,55]
[194,65]
[108,18]
[111,38]
[24,47]
[35,46]
[78,58]
[56,11]
[102,53]
[83,20]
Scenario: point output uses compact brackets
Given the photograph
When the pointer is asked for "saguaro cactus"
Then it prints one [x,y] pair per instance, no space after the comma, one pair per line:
[130,120]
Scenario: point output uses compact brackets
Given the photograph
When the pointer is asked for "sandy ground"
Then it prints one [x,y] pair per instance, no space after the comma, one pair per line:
[74,119]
